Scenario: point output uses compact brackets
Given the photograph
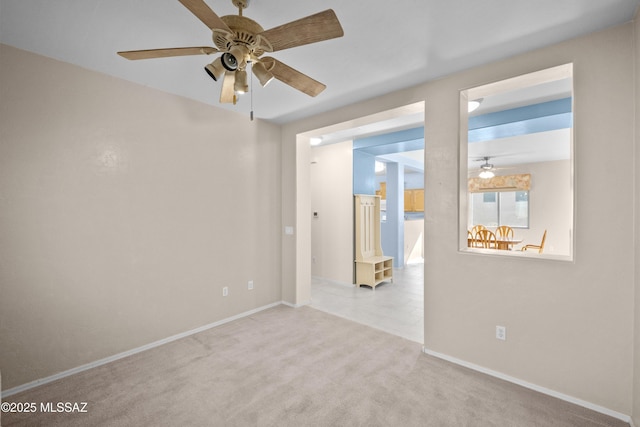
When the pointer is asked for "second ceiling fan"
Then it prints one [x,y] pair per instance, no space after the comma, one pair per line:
[487,170]
[242,42]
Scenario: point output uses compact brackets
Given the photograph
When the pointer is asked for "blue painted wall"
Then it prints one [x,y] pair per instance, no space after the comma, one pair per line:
[542,117]
[395,142]
[364,173]
[392,230]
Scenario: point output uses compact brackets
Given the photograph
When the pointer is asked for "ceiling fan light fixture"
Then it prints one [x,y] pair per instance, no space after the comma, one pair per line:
[215,69]
[486,174]
[261,72]
[237,56]
[240,84]
[229,62]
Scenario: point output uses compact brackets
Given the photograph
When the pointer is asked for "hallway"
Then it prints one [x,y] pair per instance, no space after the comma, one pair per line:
[397,308]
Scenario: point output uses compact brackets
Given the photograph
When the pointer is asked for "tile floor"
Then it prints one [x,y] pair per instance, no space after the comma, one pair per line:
[397,307]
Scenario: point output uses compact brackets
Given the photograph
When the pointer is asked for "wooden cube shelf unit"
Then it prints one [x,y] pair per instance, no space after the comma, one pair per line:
[373,271]
[372,266]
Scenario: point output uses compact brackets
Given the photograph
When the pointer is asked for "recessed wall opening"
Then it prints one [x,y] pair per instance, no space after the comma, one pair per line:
[516,166]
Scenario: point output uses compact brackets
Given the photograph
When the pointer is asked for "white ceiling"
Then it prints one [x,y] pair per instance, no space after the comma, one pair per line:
[387,46]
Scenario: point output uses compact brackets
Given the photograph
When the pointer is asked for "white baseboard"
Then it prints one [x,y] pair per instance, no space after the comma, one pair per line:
[115,357]
[543,390]
[288,304]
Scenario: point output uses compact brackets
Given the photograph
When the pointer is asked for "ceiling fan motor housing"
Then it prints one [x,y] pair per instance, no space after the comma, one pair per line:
[244,35]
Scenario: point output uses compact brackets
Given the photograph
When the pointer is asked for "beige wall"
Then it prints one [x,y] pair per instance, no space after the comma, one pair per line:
[570,324]
[559,315]
[636,388]
[550,206]
[332,198]
[124,211]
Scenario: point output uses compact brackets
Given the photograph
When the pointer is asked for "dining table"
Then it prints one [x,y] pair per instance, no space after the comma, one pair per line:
[505,243]
[502,242]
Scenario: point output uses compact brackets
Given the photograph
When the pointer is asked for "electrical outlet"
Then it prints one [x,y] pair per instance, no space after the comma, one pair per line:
[225,291]
[501,333]
[250,285]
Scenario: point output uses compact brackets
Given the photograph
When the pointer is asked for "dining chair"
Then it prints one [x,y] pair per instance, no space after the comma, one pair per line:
[505,231]
[487,239]
[476,228]
[539,247]
[473,241]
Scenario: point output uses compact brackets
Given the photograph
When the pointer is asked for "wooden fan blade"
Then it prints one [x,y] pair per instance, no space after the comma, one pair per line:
[227,94]
[204,13]
[312,29]
[165,53]
[293,78]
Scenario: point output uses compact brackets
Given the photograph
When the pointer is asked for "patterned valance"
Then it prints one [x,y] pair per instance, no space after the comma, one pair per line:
[520,182]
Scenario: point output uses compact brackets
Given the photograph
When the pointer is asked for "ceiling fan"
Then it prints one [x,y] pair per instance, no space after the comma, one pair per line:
[487,170]
[243,41]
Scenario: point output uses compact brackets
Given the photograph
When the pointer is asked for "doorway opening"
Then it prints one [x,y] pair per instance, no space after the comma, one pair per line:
[325,186]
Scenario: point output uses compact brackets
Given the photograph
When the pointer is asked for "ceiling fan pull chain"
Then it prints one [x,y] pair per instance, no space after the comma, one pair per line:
[251,89]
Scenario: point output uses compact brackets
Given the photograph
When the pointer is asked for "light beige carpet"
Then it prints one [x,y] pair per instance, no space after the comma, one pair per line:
[295,367]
